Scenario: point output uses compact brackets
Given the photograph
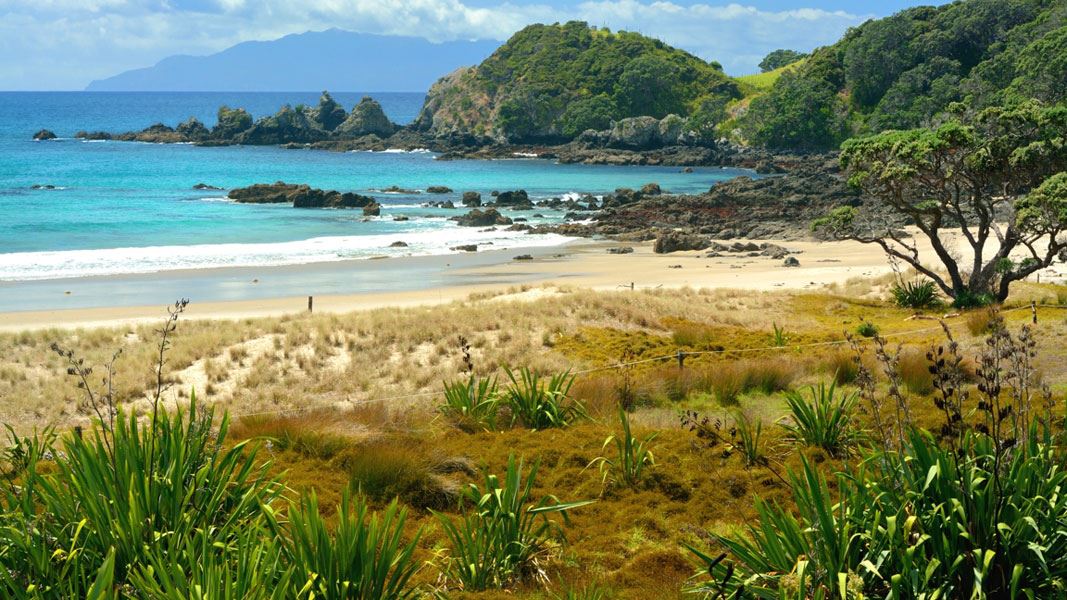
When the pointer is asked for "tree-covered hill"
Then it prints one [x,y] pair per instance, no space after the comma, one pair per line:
[903,71]
[551,82]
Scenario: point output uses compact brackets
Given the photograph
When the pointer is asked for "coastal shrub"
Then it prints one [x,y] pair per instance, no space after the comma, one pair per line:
[632,456]
[749,439]
[778,338]
[540,404]
[472,404]
[887,532]
[867,329]
[252,567]
[114,492]
[365,556]
[916,294]
[383,472]
[825,421]
[505,533]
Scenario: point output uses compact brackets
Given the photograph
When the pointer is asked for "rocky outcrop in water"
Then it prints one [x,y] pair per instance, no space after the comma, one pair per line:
[367,118]
[43,135]
[479,218]
[300,196]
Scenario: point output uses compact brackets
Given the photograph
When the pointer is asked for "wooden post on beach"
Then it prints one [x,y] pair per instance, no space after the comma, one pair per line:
[311,299]
[1033,309]
[681,360]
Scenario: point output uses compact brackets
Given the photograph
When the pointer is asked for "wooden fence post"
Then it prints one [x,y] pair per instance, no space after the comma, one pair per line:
[311,300]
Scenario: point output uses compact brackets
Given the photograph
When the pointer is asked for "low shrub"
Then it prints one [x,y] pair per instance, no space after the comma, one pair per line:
[472,404]
[749,438]
[886,533]
[867,329]
[504,533]
[916,294]
[632,456]
[826,421]
[539,404]
[364,556]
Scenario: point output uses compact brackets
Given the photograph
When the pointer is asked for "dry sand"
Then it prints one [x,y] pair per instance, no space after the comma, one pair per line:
[584,264]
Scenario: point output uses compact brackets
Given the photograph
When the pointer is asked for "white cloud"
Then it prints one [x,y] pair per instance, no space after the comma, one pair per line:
[56,44]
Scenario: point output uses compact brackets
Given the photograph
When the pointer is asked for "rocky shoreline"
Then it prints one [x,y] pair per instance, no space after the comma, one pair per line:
[327,126]
[762,208]
[779,207]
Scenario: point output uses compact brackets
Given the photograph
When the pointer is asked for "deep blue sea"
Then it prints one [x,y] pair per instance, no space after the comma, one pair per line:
[122,207]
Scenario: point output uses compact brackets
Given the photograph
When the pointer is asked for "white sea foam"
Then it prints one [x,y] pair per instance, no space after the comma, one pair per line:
[21,266]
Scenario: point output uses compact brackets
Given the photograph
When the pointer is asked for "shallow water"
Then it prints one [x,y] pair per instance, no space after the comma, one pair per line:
[122,207]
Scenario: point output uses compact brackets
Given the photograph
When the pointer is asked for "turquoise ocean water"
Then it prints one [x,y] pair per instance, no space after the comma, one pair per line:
[126,208]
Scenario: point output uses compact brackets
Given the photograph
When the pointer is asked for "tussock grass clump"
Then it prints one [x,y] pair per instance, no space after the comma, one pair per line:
[304,435]
[915,372]
[728,380]
[842,366]
[387,471]
[980,322]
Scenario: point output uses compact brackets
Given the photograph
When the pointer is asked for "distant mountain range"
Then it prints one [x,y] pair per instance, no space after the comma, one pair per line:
[334,59]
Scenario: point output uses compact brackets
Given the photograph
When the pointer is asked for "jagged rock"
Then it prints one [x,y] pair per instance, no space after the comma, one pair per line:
[523,257]
[231,121]
[192,130]
[329,113]
[372,210]
[516,198]
[288,125]
[401,218]
[478,218]
[791,262]
[676,241]
[642,133]
[366,118]
[44,134]
[46,186]
[651,189]
[472,199]
[621,250]
[204,186]
[687,170]
[443,204]
[398,245]
[465,248]
[438,189]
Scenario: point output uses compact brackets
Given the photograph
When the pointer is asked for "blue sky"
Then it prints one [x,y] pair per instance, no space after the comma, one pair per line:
[64,44]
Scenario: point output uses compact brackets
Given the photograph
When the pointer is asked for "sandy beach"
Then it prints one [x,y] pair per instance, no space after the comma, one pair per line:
[585,264]
[430,280]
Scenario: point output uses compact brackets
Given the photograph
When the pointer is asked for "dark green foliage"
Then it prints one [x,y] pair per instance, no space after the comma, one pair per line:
[800,112]
[925,522]
[595,112]
[554,81]
[779,58]
[904,70]
[918,293]
[504,531]
[536,403]
[964,176]
[365,557]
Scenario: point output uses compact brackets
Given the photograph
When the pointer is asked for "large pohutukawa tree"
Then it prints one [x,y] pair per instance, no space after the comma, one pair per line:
[997,181]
